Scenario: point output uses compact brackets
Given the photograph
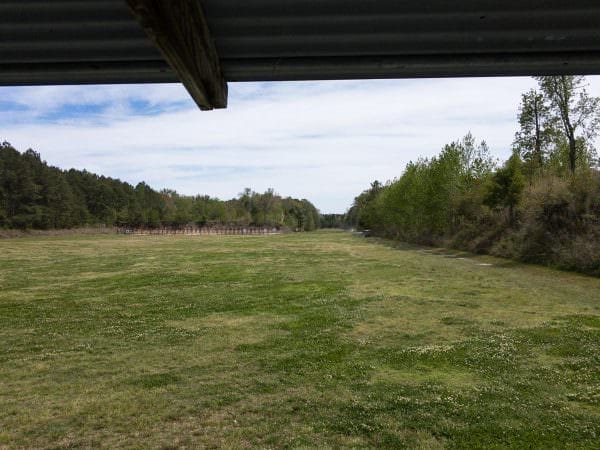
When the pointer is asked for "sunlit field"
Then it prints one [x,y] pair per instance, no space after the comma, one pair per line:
[320,339]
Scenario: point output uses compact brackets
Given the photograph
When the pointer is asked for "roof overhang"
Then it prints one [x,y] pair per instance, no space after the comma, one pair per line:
[205,43]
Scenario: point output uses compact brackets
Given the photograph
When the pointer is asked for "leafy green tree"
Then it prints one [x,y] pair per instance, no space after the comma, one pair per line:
[332,221]
[505,186]
[475,159]
[364,210]
[574,109]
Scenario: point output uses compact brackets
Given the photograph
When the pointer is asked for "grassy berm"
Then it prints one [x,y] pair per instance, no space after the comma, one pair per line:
[306,340]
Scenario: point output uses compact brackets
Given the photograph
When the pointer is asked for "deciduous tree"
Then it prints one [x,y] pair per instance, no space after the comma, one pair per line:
[574,109]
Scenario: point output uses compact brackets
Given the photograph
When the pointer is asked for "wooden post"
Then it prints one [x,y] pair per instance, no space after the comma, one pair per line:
[180,31]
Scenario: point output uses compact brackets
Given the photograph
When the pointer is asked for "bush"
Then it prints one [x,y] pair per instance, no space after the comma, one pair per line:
[582,254]
[547,216]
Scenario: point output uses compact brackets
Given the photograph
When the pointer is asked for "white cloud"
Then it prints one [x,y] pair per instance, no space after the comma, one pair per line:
[320,140]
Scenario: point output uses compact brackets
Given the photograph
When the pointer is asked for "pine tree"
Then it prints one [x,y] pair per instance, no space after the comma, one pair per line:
[536,131]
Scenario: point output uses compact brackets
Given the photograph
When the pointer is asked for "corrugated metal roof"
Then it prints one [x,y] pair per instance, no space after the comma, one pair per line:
[75,41]
[307,39]
[99,41]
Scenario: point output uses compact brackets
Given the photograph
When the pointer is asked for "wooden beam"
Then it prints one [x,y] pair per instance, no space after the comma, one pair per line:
[179,30]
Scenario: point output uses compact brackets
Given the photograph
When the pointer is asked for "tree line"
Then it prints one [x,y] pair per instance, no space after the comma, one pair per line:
[542,205]
[34,195]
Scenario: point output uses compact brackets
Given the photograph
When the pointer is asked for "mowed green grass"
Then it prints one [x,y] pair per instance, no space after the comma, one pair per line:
[319,339]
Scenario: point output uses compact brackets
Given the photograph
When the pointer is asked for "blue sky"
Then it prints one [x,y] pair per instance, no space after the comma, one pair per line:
[325,141]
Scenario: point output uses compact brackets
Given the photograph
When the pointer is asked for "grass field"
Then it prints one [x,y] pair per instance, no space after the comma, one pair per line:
[303,340]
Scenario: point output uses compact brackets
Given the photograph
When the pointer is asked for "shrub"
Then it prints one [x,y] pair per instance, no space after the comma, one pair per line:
[545,215]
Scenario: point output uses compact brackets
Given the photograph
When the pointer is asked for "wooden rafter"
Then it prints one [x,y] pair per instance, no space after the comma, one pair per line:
[179,30]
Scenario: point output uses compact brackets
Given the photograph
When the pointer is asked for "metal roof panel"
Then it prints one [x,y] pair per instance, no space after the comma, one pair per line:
[100,42]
